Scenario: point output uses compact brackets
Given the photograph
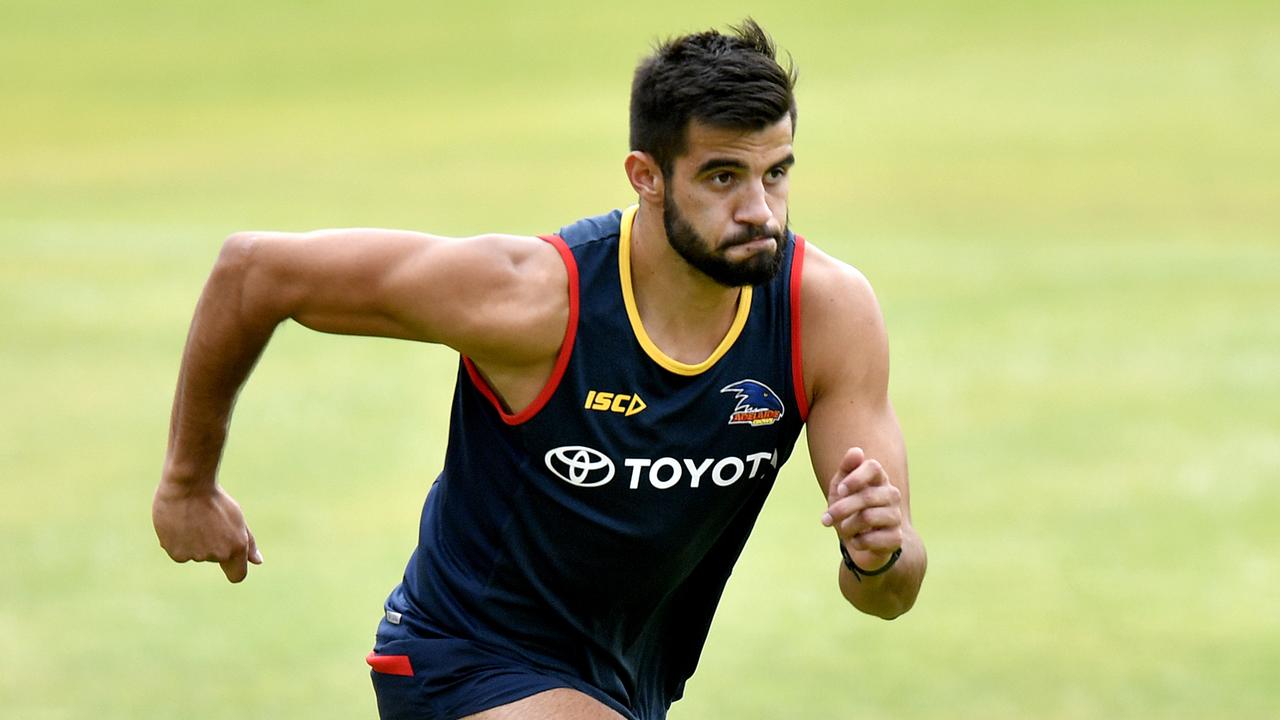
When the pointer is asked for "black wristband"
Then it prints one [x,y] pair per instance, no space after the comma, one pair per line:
[859,573]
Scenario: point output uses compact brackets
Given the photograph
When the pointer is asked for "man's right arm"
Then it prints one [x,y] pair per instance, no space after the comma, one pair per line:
[500,300]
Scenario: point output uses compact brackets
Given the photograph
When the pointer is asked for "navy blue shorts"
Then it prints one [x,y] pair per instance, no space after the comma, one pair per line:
[420,676]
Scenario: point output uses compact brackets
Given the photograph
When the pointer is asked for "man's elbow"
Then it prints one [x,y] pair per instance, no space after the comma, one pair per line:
[891,597]
[239,241]
[894,609]
[886,605]
[247,281]
[234,258]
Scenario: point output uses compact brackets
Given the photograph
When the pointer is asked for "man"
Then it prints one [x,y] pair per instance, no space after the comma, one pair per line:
[627,391]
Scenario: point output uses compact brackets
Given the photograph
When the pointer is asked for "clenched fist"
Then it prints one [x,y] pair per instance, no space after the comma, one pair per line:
[865,509]
[205,525]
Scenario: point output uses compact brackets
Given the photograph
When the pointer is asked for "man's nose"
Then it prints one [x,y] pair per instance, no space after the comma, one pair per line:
[754,207]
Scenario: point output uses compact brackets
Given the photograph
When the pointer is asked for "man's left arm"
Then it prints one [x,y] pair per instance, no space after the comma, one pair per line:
[855,443]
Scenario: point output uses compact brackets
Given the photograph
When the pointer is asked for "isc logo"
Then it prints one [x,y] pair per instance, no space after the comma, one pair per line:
[627,404]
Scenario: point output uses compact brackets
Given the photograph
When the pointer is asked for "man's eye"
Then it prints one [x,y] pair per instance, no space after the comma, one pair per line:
[722,179]
[777,173]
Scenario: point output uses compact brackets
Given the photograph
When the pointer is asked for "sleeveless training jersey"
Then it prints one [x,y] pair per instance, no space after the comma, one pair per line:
[590,535]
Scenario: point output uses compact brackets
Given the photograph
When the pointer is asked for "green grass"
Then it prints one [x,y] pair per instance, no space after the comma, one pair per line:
[1071,212]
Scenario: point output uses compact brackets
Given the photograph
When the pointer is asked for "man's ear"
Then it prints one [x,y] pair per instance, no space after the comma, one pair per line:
[645,176]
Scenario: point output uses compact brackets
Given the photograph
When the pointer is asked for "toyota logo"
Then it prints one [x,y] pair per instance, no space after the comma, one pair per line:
[580,465]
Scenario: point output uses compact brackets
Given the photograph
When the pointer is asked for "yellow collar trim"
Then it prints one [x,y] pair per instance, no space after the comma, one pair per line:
[633,314]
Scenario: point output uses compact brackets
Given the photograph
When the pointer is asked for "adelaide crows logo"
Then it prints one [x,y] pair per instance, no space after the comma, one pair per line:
[757,405]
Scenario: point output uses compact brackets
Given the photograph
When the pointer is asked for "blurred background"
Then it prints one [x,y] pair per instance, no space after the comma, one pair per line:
[1070,212]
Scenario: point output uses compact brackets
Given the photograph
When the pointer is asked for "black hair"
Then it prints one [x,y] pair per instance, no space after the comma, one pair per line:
[729,81]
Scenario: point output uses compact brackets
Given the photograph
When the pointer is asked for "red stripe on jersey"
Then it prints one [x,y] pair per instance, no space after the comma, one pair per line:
[390,664]
[562,359]
[797,357]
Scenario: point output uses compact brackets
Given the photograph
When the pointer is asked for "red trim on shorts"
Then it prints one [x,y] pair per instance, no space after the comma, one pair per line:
[797,357]
[562,359]
[390,664]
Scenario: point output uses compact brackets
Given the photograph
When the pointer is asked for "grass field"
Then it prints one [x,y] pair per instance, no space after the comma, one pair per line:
[1070,210]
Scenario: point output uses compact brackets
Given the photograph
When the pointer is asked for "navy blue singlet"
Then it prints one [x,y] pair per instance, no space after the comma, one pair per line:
[589,536]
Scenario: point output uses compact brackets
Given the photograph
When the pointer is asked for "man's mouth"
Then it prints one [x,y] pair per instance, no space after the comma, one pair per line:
[751,242]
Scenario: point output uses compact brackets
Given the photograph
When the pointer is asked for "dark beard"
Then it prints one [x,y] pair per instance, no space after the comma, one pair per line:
[755,270]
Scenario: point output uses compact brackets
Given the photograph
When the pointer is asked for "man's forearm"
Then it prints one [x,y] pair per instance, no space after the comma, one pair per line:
[229,331]
[889,595]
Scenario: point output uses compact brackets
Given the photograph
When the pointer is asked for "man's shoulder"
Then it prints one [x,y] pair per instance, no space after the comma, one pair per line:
[843,331]
[593,228]
[831,287]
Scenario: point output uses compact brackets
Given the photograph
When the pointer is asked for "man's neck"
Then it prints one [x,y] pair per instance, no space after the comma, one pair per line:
[685,313]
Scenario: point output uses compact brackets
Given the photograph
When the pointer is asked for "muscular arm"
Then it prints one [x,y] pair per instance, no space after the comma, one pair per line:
[499,299]
[855,442]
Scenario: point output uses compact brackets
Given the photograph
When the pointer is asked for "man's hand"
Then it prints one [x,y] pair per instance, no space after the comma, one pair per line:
[865,509]
[205,525]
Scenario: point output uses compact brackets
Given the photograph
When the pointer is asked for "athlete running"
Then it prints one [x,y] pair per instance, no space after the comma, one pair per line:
[627,390]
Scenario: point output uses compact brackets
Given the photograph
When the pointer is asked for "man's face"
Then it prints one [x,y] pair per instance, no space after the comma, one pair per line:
[725,204]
